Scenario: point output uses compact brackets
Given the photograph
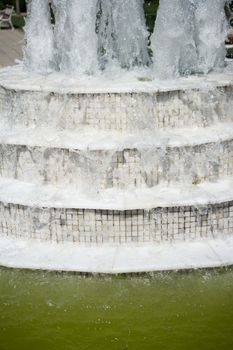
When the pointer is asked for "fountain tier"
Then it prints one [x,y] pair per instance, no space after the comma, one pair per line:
[94,170]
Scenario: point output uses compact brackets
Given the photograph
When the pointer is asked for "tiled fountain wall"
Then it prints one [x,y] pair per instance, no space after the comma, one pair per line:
[120,167]
[117,111]
[108,226]
[117,169]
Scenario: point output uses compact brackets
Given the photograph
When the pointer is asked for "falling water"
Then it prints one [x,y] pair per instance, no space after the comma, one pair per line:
[38,53]
[123,37]
[211,33]
[74,47]
[189,37]
[172,42]
[59,9]
[92,35]
[79,42]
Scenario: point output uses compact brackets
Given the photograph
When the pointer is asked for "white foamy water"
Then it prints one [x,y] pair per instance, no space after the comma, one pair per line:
[39,50]
[88,36]
[94,35]
[59,9]
[189,37]
[211,32]
[122,33]
[172,41]
[78,44]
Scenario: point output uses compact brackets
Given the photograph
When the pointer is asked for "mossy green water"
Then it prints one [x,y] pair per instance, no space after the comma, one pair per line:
[188,310]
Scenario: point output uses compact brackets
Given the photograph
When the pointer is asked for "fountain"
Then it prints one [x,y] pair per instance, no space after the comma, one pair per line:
[197,43]
[113,160]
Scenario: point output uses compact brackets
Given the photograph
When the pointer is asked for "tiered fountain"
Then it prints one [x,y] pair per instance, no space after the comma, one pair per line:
[113,160]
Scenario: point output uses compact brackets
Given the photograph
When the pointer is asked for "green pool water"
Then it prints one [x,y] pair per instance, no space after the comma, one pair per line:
[185,310]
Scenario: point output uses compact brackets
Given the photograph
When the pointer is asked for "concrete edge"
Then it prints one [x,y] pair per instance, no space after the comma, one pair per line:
[110,259]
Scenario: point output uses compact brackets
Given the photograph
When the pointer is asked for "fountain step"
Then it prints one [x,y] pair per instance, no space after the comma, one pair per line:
[16,78]
[90,139]
[102,103]
[33,254]
[117,161]
[161,214]
[175,195]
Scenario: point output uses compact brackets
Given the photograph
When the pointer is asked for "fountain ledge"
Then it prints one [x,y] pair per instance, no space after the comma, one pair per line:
[116,259]
[17,79]
[89,139]
[175,195]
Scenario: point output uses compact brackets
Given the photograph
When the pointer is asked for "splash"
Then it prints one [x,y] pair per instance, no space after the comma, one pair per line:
[78,44]
[211,33]
[39,49]
[59,9]
[87,36]
[189,37]
[95,35]
[123,37]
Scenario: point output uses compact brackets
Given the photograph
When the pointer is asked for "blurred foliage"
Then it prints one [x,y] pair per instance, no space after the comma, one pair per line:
[230,53]
[2,5]
[151,7]
[18,21]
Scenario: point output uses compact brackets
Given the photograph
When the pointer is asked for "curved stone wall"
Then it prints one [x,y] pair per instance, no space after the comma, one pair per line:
[168,156]
[123,112]
[103,169]
[95,227]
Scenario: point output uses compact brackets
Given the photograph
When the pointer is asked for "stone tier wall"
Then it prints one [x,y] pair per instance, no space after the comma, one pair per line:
[117,111]
[119,169]
[117,227]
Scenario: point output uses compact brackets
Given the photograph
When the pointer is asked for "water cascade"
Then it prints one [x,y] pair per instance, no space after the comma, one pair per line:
[123,37]
[59,9]
[211,32]
[79,42]
[38,53]
[189,37]
[75,47]
[101,172]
